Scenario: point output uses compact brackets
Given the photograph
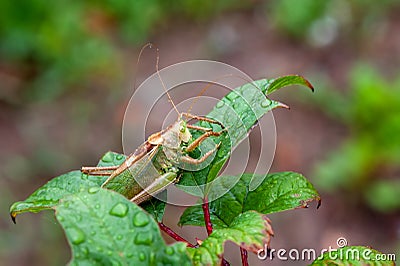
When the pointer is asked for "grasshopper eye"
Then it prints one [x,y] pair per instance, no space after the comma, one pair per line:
[182,129]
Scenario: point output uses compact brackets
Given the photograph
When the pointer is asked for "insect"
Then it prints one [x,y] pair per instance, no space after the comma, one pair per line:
[155,163]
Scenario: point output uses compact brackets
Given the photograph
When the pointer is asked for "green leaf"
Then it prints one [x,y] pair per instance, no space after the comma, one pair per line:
[250,230]
[238,111]
[277,192]
[353,256]
[49,195]
[104,228]
[280,82]
[156,207]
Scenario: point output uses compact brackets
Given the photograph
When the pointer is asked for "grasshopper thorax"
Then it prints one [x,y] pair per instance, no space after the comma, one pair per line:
[184,133]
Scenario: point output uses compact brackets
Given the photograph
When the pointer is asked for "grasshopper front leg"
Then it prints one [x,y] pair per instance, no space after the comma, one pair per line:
[190,160]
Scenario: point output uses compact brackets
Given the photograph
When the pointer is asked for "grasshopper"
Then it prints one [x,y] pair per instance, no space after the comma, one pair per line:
[155,163]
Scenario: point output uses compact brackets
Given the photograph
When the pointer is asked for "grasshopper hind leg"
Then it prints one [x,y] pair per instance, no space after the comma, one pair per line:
[99,171]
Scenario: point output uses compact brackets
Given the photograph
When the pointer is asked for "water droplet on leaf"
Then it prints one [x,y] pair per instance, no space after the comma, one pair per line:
[119,210]
[143,239]
[152,258]
[93,190]
[140,219]
[119,157]
[85,251]
[77,236]
[108,157]
[142,256]
[232,95]
[169,250]
[182,248]
[220,104]
[266,103]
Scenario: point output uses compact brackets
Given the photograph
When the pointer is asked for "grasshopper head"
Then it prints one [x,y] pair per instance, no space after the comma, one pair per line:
[184,133]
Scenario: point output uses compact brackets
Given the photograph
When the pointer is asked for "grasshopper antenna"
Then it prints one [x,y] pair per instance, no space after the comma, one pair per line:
[204,89]
[162,82]
[150,45]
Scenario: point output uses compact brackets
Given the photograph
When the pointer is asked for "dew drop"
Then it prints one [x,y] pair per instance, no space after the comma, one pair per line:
[99,249]
[143,239]
[119,210]
[169,250]
[129,255]
[97,206]
[232,95]
[266,103]
[140,219]
[93,190]
[220,104]
[119,237]
[109,253]
[182,248]
[108,157]
[152,258]
[85,250]
[142,256]
[77,236]
[119,157]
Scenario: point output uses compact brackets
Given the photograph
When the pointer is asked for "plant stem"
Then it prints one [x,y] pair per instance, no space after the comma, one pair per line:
[207,218]
[174,235]
[243,255]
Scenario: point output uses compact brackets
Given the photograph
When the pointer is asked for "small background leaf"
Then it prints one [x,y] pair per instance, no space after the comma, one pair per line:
[105,228]
[278,192]
[339,257]
[280,82]
[250,230]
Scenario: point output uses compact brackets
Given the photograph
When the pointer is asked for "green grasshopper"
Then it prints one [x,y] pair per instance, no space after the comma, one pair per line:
[155,163]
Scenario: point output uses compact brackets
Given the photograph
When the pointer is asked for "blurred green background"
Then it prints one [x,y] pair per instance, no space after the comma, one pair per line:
[66,71]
